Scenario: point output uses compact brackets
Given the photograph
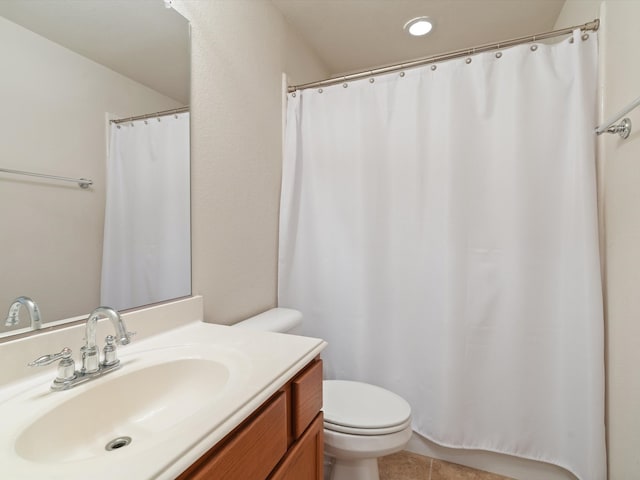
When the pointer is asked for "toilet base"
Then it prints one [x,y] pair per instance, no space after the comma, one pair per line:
[358,469]
[355,457]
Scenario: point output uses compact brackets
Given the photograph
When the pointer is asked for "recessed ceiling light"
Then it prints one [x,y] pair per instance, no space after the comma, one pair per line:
[419,26]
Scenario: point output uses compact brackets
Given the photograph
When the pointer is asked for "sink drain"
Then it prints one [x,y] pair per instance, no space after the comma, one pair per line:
[117,443]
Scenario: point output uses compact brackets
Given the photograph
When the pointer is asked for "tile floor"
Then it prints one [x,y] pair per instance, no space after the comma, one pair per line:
[410,466]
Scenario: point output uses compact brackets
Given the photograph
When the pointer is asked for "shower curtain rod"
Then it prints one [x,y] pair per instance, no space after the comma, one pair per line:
[163,113]
[589,26]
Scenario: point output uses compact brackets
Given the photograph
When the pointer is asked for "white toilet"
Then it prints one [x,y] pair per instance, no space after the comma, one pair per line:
[361,421]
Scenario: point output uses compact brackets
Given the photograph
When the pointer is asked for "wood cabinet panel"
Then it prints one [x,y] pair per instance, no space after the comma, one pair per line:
[251,452]
[304,461]
[306,397]
[282,440]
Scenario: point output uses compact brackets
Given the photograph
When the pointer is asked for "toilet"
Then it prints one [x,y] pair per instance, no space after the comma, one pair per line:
[361,421]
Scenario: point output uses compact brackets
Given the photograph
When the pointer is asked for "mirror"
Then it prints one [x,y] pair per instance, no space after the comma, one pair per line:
[69,66]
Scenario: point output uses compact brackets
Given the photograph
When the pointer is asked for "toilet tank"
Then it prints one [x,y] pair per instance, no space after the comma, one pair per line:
[282,320]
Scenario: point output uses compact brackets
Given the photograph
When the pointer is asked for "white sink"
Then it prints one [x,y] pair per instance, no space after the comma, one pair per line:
[175,395]
[137,405]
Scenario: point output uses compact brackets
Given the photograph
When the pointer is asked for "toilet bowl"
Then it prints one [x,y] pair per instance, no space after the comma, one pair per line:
[361,421]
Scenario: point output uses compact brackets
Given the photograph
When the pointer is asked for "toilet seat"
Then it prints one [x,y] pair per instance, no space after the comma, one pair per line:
[358,408]
[366,431]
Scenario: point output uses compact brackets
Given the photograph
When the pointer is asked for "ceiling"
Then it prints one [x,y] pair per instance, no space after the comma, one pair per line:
[140,39]
[149,43]
[352,35]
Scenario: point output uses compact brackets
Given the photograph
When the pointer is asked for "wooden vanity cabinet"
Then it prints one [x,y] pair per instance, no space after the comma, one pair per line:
[304,460]
[281,440]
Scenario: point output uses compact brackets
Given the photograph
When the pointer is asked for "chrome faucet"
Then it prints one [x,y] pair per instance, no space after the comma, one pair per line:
[13,317]
[90,352]
[92,367]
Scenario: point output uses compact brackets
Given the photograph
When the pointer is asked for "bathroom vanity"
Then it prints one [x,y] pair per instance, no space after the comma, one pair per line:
[196,400]
[281,440]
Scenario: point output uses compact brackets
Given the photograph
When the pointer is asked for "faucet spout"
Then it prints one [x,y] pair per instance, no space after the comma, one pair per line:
[122,335]
[13,317]
[92,367]
[90,352]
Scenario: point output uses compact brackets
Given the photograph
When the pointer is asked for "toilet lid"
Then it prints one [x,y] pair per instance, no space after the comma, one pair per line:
[355,405]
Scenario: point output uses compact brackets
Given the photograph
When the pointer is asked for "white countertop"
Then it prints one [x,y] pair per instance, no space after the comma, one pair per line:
[269,360]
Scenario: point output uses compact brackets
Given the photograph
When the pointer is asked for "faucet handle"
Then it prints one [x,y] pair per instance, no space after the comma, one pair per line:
[110,355]
[65,353]
[66,367]
[127,340]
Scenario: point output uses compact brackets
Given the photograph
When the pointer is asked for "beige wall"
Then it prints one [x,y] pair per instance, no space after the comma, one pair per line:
[240,48]
[53,121]
[620,201]
[622,232]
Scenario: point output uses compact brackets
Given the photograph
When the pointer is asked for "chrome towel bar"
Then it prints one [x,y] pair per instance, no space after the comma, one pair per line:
[624,127]
[82,182]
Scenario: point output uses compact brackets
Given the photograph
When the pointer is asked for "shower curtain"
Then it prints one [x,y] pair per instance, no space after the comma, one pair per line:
[438,228]
[147,243]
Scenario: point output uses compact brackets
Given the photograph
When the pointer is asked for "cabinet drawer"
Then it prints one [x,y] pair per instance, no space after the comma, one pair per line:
[306,397]
[252,452]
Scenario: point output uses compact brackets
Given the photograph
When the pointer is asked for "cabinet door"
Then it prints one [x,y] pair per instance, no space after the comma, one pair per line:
[306,397]
[251,452]
[305,458]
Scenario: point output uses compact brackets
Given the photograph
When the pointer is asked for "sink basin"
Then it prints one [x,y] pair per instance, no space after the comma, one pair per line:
[176,394]
[137,404]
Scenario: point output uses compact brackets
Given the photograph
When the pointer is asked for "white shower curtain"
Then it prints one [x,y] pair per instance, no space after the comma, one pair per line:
[147,243]
[438,229]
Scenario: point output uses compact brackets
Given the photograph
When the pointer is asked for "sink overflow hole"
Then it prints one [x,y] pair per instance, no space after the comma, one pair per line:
[117,443]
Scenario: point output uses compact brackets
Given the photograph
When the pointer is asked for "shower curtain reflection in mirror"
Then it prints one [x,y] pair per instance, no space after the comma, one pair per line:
[146,253]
